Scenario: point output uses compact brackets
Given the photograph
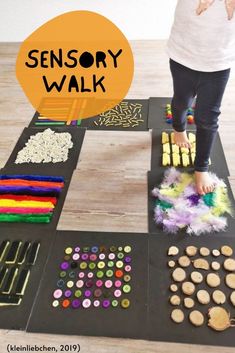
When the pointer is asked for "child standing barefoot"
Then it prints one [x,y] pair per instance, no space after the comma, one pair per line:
[201,48]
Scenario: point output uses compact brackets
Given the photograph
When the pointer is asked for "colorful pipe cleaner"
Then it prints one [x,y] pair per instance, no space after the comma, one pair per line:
[29,198]
[178,206]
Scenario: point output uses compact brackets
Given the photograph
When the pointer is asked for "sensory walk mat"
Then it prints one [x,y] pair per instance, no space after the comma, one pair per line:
[29,198]
[193,299]
[160,115]
[174,205]
[23,255]
[101,275]
[166,153]
[53,151]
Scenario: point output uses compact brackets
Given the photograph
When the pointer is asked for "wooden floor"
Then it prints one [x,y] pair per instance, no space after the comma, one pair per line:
[108,190]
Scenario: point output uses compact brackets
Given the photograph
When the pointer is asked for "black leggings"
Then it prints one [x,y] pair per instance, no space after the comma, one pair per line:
[209,88]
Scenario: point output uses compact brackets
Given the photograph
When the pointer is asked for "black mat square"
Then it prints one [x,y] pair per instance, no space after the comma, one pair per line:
[218,160]
[160,325]
[61,168]
[90,123]
[16,317]
[154,179]
[114,322]
[156,119]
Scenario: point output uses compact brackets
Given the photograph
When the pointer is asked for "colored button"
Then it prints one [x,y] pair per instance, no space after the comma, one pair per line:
[108,284]
[86,249]
[93,257]
[125,303]
[76,303]
[67,258]
[126,288]
[127,249]
[81,275]
[84,257]
[127,259]
[79,284]
[72,274]
[78,293]
[76,257]
[113,248]
[64,265]
[62,274]
[120,255]
[77,249]
[101,256]
[90,275]
[119,264]
[60,283]
[83,265]
[127,278]
[106,303]
[87,293]
[99,283]
[110,263]
[89,283]
[57,293]
[101,264]
[103,248]
[100,274]
[114,303]
[70,284]
[68,251]
[92,265]
[111,256]
[117,284]
[120,248]
[55,303]
[96,303]
[97,293]
[128,268]
[94,249]
[74,264]
[68,293]
[86,303]
[117,293]
[65,303]
[118,273]
[109,273]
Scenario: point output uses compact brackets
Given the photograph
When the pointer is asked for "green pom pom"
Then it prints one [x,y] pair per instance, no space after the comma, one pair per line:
[209,199]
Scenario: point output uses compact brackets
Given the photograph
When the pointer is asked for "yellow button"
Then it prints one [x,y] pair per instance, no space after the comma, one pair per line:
[70,284]
[68,251]
[127,249]
[101,264]
[119,264]
[125,303]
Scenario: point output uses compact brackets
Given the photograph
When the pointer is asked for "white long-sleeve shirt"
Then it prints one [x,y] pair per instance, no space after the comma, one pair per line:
[205,42]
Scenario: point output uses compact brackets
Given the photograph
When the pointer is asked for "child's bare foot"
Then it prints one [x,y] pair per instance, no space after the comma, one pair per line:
[204,183]
[181,139]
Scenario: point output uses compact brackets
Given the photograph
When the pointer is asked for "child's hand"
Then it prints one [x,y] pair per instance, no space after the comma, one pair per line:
[203,5]
[230,7]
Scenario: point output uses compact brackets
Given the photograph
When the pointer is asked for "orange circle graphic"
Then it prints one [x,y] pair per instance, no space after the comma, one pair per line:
[75,66]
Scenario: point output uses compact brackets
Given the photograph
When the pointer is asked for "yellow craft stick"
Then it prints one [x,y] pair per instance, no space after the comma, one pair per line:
[166,148]
[166,160]
[33,204]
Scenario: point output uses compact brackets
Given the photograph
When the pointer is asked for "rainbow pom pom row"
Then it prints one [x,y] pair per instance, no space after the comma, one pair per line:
[168,114]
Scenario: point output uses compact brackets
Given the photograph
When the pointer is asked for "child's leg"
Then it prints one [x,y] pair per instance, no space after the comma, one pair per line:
[185,81]
[210,92]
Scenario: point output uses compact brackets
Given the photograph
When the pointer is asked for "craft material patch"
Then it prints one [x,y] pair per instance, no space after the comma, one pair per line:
[179,207]
[80,61]
[94,276]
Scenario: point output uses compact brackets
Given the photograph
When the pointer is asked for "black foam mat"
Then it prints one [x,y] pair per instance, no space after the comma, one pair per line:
[89,123]
[218,160]
[160,325]
[156,118]
[114,322]
[16,317]
[61,168]
[155,178]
